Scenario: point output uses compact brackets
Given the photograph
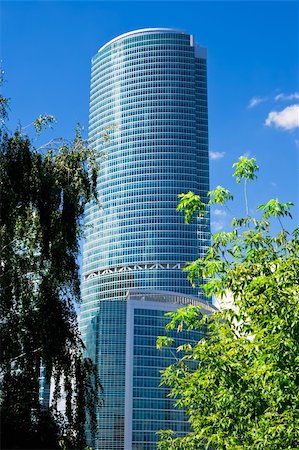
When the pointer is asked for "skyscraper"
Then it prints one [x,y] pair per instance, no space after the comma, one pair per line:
[149,95]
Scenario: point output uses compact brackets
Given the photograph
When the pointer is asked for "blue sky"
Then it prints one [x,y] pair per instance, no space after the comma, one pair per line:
[46,49]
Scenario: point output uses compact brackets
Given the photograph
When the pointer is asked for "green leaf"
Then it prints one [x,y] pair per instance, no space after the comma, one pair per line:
[276,209]
[191,205]
[220,195]
[43,121]
[245,169]
[164,341]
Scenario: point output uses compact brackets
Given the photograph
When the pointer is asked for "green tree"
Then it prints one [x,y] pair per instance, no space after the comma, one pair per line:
[243,392]
[43,194]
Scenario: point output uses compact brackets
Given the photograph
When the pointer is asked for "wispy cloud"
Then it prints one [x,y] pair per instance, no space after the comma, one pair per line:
[282,96]
[216,226]
[219,212]
[256,100]
[219,221]
[216,155]
[287,119]
[246,154]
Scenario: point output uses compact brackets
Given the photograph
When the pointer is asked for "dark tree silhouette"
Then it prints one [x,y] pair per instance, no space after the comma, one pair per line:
[43,194]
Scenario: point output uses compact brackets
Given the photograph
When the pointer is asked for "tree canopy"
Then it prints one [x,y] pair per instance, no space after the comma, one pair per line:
[240,385]
[43,194]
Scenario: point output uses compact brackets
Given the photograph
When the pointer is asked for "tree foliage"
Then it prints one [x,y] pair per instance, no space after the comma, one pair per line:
[43,194]
[244,390]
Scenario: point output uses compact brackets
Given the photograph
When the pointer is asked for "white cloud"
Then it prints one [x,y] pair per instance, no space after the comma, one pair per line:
[216,226]
[293,96]
[216,155]
[256,100]
[287,119]
[219,212]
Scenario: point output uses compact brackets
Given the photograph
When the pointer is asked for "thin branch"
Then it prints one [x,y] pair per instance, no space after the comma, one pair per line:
[24,354]
[282,227]
[52,141]
[27,126]
[245,196]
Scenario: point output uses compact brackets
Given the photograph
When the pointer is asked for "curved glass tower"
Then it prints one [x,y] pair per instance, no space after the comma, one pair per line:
[149,118]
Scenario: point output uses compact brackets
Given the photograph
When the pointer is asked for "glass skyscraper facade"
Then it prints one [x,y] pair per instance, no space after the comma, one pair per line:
[149,99]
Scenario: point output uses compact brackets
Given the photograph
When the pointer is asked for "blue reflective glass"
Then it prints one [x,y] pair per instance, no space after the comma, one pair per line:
[149,123]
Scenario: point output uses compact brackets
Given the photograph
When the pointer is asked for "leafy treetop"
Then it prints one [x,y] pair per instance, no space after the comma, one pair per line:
[43,195]
[239,384]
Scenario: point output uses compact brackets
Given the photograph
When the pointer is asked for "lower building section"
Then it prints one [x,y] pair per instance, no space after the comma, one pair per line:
[121,339]
[44,388]
[105,341]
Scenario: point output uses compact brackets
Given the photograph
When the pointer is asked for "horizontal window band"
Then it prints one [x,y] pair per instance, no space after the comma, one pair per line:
[127,268]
